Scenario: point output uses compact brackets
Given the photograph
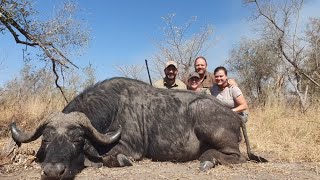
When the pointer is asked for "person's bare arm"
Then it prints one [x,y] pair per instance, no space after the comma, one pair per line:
[241,104]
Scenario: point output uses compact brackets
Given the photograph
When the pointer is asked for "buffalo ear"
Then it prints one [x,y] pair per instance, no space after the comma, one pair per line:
[92,156]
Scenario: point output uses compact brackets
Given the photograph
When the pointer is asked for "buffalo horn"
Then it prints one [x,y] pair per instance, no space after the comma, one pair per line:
[107,138]
[24,137]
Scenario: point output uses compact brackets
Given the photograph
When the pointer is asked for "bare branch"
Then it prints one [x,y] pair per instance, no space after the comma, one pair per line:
[281,41]
[295,65]
[57,80]
[53,37]
[268,18]
[14,34]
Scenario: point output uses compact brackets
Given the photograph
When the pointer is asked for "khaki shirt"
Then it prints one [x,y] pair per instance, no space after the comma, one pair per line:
[207,81]
[178,84]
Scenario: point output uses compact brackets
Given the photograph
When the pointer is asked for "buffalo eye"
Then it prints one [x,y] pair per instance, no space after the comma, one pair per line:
[77,141]
[75,135]
[48,134]
[46,141]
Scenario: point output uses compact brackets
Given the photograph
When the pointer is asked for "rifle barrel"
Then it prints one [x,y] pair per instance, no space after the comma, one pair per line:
[148,72]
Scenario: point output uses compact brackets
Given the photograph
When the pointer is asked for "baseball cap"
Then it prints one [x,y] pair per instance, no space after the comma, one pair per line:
[171,63]
[193,74]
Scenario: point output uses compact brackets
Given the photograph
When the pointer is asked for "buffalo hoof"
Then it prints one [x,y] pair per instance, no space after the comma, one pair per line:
[124,160]
[205,165]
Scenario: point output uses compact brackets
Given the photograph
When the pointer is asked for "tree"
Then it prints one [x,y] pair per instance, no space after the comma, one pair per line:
[280,23]
[133,71]
[177,44]
[57,38]
[89,71]
[181,45]
[256,63]
[313,56]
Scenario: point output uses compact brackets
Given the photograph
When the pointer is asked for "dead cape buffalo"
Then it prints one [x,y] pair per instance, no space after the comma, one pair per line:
[119,120]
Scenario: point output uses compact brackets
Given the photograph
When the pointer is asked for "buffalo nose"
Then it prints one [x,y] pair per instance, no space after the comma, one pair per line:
[53,170]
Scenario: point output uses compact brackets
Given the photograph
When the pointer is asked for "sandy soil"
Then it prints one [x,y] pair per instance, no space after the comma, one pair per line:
[167,170]
[24,168]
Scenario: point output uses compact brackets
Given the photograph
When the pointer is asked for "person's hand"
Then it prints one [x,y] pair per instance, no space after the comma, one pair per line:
[232,83]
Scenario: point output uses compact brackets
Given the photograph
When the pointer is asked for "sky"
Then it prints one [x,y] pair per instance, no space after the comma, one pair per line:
[122,31]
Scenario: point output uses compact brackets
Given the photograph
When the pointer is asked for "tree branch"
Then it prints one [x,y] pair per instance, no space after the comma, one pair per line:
[295,64]
[14,34]
[48,48]
[57,80]
[280,44]
[267,17]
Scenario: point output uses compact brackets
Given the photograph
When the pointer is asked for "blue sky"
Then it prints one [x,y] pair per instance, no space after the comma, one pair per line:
[122,31]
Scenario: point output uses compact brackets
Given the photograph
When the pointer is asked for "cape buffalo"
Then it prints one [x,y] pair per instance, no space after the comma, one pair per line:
[119,120]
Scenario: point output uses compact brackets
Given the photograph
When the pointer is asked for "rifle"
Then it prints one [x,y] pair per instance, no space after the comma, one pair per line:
[148,72]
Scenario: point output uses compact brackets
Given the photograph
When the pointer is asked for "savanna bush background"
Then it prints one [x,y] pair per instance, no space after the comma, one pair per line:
[278,129]
[33,95]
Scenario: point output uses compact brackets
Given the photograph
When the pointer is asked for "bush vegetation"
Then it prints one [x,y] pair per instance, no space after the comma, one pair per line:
[27,99]
[277,129]
[286,134]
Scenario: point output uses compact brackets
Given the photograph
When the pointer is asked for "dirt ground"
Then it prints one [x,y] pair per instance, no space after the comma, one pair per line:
[24,168]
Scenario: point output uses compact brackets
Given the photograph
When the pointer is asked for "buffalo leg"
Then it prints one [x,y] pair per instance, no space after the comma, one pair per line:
[118,160]
[213,157]
[120,155]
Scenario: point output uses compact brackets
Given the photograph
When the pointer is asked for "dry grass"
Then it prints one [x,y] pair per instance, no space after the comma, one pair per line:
[285,133]
[28,109]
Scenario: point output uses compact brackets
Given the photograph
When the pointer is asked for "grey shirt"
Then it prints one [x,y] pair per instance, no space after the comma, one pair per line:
[227,95]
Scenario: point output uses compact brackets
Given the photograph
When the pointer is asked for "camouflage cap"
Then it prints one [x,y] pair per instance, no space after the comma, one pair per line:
[193,74]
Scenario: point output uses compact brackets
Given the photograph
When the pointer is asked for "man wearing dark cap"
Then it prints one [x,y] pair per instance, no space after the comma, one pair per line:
[170,81]
[194,84]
